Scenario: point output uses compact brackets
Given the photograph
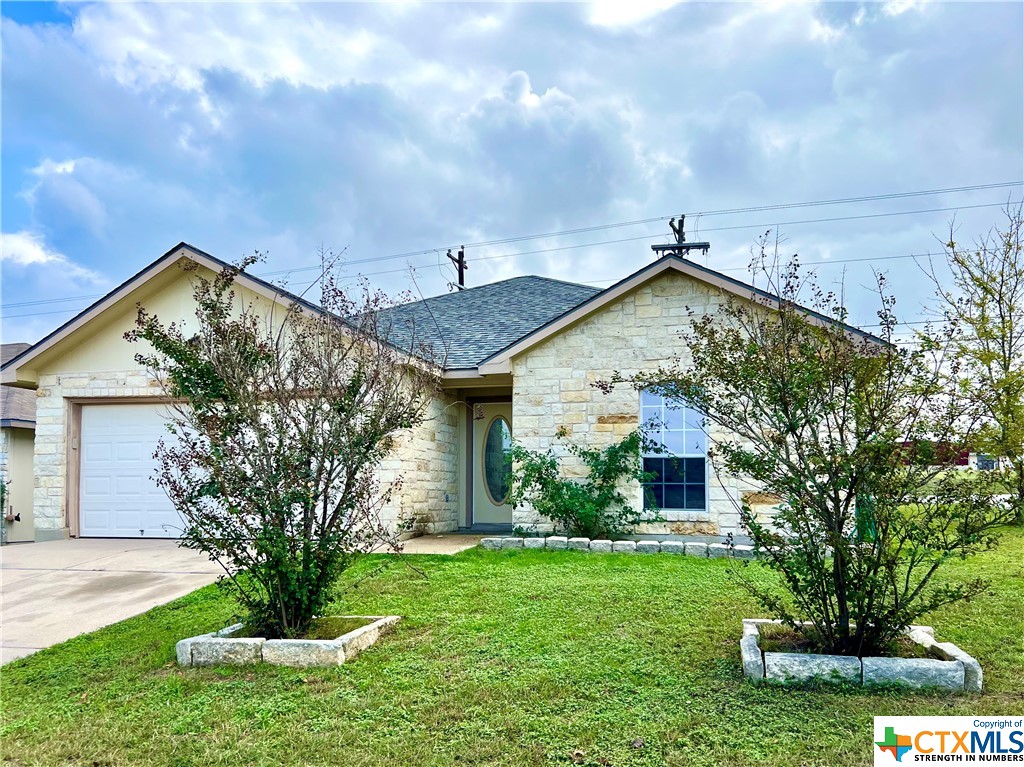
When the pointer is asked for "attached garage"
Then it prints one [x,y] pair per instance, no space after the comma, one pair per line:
[98,417]
[119,498]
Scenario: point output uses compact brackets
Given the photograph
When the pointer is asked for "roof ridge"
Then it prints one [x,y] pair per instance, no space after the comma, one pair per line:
[424,299]
[563,282]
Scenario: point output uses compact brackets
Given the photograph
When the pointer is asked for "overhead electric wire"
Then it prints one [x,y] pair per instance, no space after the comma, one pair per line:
[589,282]
[598,227]
[780,206]
[428,251]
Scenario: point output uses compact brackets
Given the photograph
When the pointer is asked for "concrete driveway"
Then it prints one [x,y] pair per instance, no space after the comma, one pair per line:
[55,590]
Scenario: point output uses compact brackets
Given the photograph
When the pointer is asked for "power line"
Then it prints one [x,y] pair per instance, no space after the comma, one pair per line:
[585,282]
[53,301]
[622,240]
[522,238]
[599,227]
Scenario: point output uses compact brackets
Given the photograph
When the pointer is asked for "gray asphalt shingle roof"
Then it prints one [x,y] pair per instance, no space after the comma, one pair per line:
[17,406]
[468,326]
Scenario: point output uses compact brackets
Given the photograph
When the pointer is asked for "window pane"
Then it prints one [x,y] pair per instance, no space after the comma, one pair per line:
[651,415]
[696,442]
[673,471]
[653,496]
[496,470]
[694,420]
[673,419]
[673,441]
[694,470]
[654,465]
[694,497]
[648,398]
[675,497]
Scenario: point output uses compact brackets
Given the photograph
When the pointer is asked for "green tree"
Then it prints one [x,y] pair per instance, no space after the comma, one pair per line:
[983,302]
[857,435]
[279,423]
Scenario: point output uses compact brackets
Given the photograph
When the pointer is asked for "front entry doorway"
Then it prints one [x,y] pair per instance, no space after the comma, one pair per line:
[492,437]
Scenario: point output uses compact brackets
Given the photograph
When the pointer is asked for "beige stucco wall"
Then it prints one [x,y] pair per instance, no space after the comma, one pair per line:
[16,470]
[96,362]
[552,387]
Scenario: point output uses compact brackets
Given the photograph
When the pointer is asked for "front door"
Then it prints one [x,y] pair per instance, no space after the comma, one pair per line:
[492,437]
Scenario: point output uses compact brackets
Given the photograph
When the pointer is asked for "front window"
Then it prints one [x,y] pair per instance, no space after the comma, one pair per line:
[680,469]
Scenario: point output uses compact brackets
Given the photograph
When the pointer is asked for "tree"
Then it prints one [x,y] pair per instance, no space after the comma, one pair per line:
[278,423]
[985,309]
[857,436]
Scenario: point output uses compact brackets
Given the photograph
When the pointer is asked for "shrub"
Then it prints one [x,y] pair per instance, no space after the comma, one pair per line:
[278,426]
[859,437]
[593,506]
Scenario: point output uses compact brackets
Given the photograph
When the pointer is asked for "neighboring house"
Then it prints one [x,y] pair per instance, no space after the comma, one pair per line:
[520,357]
[17,429]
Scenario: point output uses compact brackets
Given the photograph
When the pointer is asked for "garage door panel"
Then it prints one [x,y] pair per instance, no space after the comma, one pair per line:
[97,453]
[118,495]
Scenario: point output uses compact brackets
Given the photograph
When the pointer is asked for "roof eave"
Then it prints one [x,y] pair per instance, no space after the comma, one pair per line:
[500,362]
[16,373]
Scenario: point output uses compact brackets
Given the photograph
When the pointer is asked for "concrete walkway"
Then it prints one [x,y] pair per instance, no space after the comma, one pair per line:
[445,543]
[52,591]
[56,590]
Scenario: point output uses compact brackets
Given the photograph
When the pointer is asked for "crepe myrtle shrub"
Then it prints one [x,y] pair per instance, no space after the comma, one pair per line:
[858,437]
[280,419]
[593,506]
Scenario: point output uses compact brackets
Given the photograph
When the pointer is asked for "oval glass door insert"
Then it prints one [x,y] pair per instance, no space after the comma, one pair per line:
[496,471]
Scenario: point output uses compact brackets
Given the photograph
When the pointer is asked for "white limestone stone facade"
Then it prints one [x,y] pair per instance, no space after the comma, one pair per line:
[553,387]
[426,457]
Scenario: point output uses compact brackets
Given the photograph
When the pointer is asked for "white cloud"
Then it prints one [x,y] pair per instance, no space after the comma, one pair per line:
[49,167]
[623,13]
[28,249]
[899,7]
[146,45]
[64,192]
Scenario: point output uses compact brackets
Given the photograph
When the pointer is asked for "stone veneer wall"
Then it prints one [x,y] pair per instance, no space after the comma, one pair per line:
[552,387]
[427,458]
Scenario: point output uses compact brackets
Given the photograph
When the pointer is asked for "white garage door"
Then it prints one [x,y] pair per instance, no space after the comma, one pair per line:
[119,499]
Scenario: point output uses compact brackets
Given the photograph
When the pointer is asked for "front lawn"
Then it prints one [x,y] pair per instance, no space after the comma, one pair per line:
[504,658]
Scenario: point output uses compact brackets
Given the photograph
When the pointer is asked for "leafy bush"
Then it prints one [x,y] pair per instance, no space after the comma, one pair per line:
[279,423]
[859,437]
[593,506]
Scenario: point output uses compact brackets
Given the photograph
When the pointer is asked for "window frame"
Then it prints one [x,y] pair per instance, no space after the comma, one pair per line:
[657,436]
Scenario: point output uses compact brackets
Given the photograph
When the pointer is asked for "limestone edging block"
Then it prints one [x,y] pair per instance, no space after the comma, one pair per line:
[221,648]
[604,546]
[956,671]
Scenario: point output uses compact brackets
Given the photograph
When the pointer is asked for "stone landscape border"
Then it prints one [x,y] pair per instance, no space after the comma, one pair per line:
[563,543]
[222,648]
[953,669]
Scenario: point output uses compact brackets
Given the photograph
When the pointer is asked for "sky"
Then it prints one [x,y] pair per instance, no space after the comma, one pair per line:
[392,132]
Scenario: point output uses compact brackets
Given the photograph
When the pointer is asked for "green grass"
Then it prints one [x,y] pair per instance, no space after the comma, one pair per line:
[504,658]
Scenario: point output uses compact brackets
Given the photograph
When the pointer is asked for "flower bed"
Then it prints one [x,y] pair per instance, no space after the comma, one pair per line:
[948,668]
[226,647]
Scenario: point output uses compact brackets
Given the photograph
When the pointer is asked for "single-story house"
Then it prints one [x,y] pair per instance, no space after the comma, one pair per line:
[17,431]
[519,360]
